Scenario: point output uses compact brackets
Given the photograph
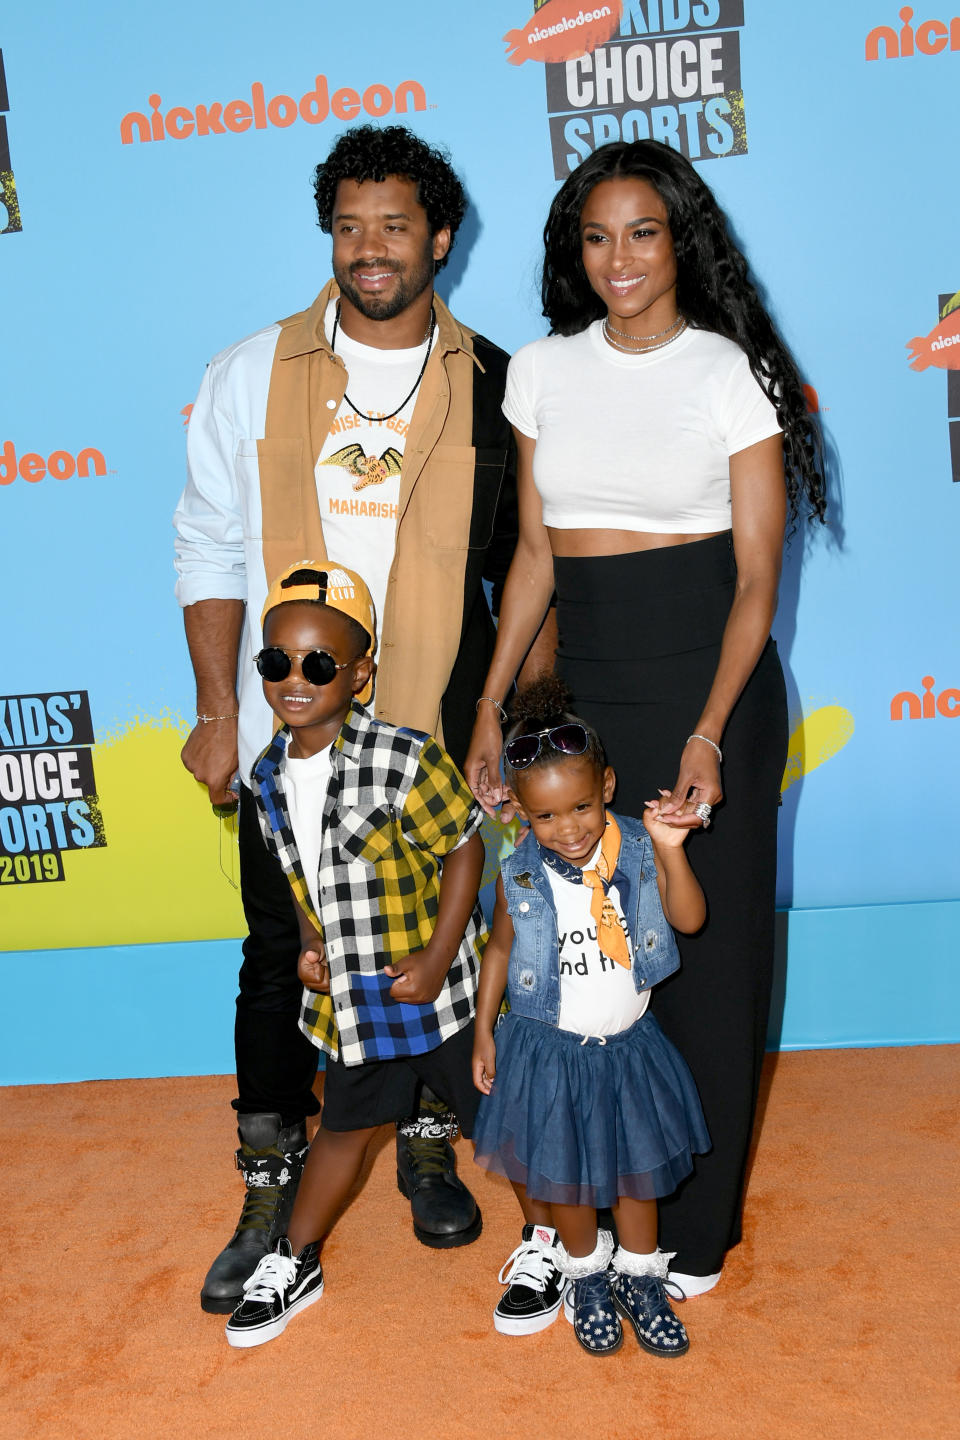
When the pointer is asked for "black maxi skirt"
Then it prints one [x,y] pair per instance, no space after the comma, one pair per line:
[639,644]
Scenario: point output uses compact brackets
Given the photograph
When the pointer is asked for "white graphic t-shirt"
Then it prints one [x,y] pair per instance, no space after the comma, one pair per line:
[597,996]
[358,469]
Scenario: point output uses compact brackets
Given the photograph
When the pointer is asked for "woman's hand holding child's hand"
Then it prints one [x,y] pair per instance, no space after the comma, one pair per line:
[697,783]
[484,1062]
[667,834]
[312,968]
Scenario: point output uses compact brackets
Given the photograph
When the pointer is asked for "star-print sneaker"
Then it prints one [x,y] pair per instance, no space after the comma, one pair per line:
[642,1300]
[589,1305]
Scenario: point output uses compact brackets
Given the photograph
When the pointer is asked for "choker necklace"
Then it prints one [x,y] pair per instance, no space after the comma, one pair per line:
[628,336]
[632,349]
[373,419]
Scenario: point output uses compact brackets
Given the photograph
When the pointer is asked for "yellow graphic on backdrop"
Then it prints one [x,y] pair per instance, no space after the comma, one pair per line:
[159,876]
[818,737]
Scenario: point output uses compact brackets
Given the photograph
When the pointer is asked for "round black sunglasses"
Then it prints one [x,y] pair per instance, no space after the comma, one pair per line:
[316,666]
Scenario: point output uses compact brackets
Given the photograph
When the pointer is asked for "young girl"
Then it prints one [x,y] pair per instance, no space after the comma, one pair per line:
[587,1104]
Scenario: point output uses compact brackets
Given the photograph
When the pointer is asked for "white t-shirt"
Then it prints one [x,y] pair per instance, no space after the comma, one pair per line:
[305,783]
[597,996]
[636,442]
[358,469]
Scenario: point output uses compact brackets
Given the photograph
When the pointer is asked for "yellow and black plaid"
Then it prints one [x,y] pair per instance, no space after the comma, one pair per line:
[395,806]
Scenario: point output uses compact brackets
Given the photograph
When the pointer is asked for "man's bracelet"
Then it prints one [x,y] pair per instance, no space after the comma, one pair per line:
[205,719]
[490,699]
[707,741]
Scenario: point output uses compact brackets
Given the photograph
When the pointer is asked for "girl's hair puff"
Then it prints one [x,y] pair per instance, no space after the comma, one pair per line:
[543,705]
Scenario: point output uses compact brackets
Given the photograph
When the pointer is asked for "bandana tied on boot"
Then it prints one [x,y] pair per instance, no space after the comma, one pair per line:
[610,935]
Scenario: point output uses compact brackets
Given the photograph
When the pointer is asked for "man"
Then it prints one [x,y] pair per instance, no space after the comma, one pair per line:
[369,426]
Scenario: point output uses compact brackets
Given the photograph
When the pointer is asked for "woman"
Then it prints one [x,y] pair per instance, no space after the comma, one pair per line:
[663,437]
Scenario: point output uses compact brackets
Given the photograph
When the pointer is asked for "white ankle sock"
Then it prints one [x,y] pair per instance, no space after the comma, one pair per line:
[629,1262]
[576,1266]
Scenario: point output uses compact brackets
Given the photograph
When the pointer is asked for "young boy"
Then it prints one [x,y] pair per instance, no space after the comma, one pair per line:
[378,834]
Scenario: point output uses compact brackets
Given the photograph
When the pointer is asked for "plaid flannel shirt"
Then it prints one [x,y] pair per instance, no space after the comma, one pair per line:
[395,806]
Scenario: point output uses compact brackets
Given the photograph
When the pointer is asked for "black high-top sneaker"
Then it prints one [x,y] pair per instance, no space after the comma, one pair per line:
[282,1285]
[534,1284]
[271,1161]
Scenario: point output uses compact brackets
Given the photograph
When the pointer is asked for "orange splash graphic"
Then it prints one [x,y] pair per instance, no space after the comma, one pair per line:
[563,30]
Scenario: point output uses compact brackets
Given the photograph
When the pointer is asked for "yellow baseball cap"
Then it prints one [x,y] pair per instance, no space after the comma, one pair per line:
[332,585]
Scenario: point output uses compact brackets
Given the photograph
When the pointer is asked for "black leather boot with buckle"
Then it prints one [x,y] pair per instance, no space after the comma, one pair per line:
[271,1162]
[445,1214]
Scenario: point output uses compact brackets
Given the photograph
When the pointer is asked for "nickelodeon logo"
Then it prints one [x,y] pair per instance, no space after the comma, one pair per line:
[929,37]
[236,116]
[910,706]
[61,464]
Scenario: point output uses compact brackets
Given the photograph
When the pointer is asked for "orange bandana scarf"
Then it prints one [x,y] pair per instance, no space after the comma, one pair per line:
[610,936]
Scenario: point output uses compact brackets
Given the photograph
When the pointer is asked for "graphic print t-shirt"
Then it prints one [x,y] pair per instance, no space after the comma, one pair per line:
[358,469]
[597,996]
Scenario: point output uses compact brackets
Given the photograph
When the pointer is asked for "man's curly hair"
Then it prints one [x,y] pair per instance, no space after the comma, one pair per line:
[372,152]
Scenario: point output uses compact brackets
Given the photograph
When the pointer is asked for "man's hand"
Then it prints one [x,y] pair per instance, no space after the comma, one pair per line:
[312,968]
[419,977]
[210,754]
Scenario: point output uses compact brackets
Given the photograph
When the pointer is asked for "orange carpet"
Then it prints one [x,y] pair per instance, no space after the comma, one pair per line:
[837,1316]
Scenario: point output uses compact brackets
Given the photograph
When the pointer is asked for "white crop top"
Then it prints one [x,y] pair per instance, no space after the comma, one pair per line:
[636,442]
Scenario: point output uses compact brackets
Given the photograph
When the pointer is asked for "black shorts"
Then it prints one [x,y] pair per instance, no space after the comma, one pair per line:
[356,1097]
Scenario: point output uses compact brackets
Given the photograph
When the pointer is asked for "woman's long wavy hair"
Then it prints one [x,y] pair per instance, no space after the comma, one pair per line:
[714,291]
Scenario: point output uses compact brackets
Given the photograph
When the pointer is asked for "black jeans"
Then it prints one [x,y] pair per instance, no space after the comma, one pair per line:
[276,1063]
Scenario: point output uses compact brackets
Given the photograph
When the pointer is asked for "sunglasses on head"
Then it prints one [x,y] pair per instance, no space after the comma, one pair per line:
[316,666]
[569,739]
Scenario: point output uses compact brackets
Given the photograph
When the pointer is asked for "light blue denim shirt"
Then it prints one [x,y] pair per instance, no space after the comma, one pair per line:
[533,978]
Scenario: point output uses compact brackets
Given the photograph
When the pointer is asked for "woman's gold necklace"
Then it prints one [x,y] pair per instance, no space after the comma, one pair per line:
[678,327]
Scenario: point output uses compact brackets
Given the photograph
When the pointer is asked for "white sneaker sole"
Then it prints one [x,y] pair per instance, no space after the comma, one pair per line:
[694,1285]
[247,1338]
[504,1325]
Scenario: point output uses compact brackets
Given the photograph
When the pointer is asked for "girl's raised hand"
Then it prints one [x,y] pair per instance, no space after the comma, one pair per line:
[668,834]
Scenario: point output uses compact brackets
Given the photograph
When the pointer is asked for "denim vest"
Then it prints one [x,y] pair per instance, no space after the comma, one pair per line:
[533,978]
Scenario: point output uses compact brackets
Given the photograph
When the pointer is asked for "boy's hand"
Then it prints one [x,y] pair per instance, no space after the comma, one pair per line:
[312,969]
[484,1061]
[419,977]
[667,835]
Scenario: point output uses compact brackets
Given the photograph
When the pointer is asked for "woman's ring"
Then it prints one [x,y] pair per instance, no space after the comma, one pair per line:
[704,811]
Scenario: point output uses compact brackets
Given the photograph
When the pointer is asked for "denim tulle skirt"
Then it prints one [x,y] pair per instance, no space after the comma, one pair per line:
[586,1123]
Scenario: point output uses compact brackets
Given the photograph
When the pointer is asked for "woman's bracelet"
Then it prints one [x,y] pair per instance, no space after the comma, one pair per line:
[706,739]
[205,719]
[490,699]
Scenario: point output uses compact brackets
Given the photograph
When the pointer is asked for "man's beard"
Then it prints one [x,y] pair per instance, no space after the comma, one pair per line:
[411,284]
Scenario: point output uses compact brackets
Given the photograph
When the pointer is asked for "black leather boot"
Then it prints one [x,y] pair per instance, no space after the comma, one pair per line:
[271,1162]
[445,1214]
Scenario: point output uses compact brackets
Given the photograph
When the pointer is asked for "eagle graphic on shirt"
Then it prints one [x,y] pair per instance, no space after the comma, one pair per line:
[369,469]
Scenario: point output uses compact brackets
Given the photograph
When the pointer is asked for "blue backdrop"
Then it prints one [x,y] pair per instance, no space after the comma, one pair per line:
[155,166]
